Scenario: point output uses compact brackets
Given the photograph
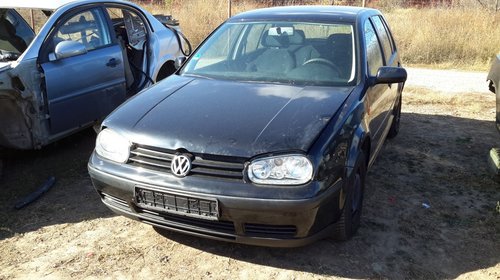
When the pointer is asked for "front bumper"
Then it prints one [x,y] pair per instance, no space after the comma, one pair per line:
[242,219]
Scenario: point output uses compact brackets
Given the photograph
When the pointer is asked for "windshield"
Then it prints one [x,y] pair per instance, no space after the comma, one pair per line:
[301,53]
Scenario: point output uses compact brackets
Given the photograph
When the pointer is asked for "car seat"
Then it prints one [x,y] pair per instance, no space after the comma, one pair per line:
[301,52]
[276,58]
[341,53]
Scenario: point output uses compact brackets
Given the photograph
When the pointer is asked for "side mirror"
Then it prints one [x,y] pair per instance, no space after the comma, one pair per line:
[67,49]
[390,75]
[179,61]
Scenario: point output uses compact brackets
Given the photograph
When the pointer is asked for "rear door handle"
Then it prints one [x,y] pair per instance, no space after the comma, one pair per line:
[113,62]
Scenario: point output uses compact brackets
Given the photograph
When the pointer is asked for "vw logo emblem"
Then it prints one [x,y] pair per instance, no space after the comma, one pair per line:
[181,165]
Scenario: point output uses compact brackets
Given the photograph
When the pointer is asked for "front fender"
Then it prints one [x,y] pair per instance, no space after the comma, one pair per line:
[359,144]
[345,136]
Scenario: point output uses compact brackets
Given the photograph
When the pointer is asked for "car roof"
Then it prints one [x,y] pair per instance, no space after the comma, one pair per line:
[43,4]
[305,13]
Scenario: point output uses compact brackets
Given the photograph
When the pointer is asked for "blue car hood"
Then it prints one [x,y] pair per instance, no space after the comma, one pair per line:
[228,118]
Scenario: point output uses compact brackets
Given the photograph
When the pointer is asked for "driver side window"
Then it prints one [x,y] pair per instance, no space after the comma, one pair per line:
[87,27]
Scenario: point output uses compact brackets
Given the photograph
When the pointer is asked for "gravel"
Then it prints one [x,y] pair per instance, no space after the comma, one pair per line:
[448,81]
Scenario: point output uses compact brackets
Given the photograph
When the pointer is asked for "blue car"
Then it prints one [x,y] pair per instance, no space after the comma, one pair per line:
[87,58]
[265,134]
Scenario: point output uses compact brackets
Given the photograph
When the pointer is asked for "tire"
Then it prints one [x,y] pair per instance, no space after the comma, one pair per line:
[350,219]
[394,130]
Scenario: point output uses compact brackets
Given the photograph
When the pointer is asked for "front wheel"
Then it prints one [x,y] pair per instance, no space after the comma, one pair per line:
[349,221]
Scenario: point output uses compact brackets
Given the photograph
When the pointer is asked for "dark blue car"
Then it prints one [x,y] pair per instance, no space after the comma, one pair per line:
[264,135]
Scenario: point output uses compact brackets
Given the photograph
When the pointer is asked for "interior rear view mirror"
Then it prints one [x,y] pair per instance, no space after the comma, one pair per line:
[281,31]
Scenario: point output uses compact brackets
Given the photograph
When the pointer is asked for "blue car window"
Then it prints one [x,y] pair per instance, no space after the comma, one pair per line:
[373,51]
[88,27]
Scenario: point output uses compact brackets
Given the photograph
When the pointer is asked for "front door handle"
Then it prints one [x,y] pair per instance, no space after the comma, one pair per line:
[113,62]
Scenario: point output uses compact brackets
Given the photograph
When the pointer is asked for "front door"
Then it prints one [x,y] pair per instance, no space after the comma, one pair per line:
[83,88]
[379,96]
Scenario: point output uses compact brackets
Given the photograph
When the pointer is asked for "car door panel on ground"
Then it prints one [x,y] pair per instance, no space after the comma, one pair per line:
[83,88]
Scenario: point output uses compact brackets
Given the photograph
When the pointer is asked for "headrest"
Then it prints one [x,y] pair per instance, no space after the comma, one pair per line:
[298,37]
[275,41]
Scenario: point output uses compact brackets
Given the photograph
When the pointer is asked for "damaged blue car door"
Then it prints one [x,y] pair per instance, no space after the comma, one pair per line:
[83,68]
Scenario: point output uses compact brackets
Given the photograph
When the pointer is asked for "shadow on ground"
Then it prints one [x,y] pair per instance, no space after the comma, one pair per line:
[437,160]
[72,198]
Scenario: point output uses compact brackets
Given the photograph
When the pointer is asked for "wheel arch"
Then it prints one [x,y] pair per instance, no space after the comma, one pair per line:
[361,143]
[167,69]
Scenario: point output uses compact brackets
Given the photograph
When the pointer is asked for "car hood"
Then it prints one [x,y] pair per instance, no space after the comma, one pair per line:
[229,118]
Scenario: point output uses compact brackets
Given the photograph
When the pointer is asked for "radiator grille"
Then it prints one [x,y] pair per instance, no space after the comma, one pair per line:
[202,165]
[276,231]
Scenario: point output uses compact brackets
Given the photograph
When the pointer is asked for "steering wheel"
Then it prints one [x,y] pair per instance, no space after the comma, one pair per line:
[323,61]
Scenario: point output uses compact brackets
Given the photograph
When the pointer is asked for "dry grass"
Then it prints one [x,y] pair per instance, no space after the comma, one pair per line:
[459,37]
[200,17]
[447,37]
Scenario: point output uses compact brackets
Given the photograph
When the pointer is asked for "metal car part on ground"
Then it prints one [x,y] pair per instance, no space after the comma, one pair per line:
[87,58]
[266,133]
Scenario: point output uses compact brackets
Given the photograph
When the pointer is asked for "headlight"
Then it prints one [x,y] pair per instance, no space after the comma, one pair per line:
[112,146]
[281,170]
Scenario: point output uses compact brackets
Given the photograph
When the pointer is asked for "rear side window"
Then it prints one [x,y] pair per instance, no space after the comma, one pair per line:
[373,51]
[384,37]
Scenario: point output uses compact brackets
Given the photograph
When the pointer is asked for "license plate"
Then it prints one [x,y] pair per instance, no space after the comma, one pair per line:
[205,208]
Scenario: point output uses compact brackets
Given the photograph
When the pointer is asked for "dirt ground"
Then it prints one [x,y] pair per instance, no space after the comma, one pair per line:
[439,158]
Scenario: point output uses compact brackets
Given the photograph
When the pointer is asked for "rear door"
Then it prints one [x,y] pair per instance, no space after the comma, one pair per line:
[83,88]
